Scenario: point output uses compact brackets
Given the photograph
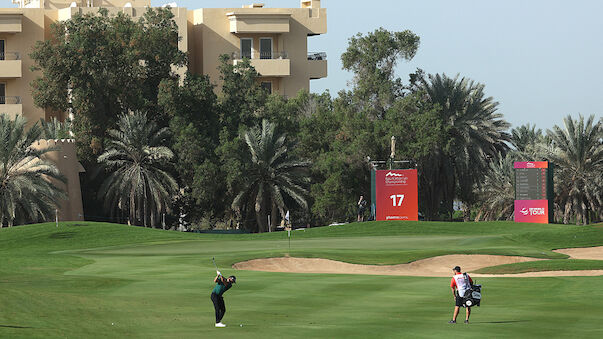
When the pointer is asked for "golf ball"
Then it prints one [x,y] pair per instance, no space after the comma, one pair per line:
[241,325]
[112,324]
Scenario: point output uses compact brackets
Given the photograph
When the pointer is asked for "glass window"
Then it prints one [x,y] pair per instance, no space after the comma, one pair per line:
[2,93]
[246,48]
[2,50]
[267,86]
[265,48]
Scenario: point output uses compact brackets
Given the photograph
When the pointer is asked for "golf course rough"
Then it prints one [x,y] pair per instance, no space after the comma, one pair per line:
[93,280]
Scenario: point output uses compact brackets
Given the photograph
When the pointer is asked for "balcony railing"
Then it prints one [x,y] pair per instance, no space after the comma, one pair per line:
[317,56]
[263,55]
[10,100]
[10,56]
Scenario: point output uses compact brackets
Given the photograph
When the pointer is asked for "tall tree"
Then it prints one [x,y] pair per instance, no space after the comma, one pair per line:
[27,193]
[475,132]
[99,66]
[373,59]
[274,175]
[240,102]
[157,45]
[578,156]
[194,122]
[136,158]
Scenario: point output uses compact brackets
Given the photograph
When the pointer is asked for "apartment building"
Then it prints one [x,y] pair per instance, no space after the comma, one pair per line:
[274,39]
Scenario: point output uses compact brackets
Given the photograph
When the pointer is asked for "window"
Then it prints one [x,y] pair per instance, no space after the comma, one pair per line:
[265,48]
[246,48]
[2,50]
[267,86]
[2,93]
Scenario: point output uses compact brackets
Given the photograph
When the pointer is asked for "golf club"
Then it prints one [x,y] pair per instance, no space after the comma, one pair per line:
[216,266]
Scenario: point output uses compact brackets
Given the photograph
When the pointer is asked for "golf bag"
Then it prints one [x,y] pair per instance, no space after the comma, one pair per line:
[473,296]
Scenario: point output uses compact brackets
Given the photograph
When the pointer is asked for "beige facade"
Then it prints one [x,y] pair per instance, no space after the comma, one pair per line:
[275,39]
[67,163]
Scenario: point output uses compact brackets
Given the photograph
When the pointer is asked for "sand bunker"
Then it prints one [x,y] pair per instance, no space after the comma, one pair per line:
[432,267]
[592,253]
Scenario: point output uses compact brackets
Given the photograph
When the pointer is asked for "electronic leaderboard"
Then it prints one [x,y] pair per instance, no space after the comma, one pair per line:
[533,191]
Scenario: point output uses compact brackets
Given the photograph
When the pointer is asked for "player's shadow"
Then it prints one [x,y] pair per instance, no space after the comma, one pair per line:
[62,235]
[13,326]
[500,322]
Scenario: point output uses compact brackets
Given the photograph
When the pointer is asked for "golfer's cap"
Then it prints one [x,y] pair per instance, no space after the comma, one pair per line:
[234,279]
[457,268]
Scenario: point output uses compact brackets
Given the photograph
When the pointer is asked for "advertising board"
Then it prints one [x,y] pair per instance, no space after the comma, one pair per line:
[534,211]
[396,194]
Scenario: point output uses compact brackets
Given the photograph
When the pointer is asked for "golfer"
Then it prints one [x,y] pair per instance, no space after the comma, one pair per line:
[222,285]
[459,285]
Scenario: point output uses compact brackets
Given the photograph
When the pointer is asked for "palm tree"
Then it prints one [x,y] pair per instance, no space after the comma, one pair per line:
[137,159]
[497,193]
[27,193]
[55,129]
[273,175]
[524,136]
[475,134]
[578,156]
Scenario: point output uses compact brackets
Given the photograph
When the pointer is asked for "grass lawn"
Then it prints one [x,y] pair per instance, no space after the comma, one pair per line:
[101,280]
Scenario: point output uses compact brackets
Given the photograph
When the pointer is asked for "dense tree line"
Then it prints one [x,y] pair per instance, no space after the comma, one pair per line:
[153,143]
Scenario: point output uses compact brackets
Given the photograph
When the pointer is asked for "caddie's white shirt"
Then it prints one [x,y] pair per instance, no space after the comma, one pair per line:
[461,283]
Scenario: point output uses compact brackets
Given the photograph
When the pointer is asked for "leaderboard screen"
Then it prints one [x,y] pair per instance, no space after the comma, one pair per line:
[533,196]
[531,182]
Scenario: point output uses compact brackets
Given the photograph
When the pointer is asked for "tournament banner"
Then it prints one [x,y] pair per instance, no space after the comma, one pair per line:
[534,211]
[396,194]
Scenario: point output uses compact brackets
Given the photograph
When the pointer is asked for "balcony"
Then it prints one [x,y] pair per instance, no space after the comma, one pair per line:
[10,65]
[11,106]
[250,20]
[268,64]
[11,20]
[317,65]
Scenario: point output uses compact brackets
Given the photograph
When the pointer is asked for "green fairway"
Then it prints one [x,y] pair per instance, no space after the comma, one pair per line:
[101,280]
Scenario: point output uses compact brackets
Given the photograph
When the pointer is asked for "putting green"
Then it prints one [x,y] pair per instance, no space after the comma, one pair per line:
[102,280]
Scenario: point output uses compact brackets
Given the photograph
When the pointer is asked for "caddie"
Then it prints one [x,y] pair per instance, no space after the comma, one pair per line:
[460,283]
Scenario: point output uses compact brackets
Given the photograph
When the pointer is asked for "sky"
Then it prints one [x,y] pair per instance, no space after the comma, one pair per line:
[541,60]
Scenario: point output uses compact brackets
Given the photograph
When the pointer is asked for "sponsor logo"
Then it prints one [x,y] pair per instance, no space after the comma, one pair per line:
[531,165]
[395,179]
[396,217]
[532,211]
[537,211]
[476,295]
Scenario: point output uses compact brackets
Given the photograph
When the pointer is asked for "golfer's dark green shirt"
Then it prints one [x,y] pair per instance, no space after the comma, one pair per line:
[221,288]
